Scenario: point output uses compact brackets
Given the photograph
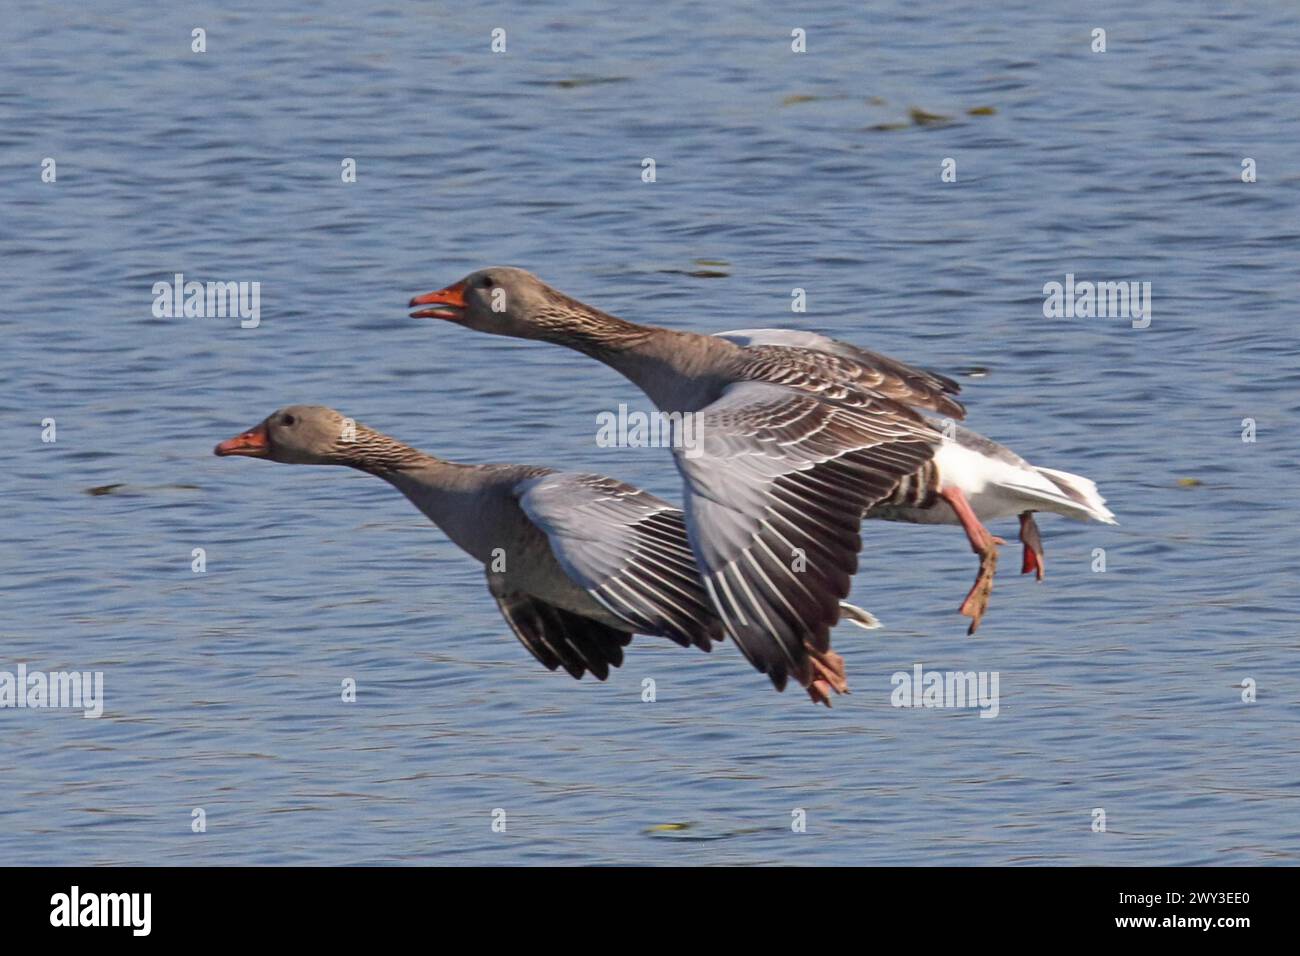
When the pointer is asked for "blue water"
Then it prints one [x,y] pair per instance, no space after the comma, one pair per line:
[1119,690]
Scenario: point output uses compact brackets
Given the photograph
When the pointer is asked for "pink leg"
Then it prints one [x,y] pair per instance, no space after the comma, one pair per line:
[984,545]
[1033,545]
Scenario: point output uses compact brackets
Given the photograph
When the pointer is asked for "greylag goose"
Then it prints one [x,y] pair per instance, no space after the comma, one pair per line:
[804,435]
[994,480]
[577,563]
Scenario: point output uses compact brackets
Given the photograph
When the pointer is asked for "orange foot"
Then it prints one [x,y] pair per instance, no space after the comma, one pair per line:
[828,674]
[977,601]
[983,544]
[820,692]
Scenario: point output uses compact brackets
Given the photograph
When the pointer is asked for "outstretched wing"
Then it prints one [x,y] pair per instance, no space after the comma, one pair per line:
[560,638]
[785,355]
[628,549]
[773,507]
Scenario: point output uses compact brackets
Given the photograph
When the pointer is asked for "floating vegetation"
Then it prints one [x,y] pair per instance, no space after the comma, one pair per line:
[919,117]
[121,488]
[710,269]
[577,82]
[1190,482]
[794,98]
[693,833]
[105,489]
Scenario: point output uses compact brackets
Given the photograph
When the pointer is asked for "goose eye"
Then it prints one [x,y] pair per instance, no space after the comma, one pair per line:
[288,420]
[488,282]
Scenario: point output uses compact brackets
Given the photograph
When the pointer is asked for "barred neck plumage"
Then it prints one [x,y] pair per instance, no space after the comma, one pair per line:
[677,370]
[378,454]
[566,321]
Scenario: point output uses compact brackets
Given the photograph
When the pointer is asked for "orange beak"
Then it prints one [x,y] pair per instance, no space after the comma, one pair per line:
[453,297]
[253,443]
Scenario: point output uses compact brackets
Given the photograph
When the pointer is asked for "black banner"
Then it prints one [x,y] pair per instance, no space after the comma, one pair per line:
[334,905]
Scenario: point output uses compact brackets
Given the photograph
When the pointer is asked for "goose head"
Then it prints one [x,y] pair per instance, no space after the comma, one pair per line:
[298,435]
[501,300]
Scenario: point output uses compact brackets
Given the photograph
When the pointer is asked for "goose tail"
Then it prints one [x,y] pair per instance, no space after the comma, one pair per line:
[1082,492]
[859,616]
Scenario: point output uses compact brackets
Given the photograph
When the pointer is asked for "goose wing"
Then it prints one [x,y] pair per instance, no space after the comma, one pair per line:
[559,638]
[628,549]
[789,356]
[774,498]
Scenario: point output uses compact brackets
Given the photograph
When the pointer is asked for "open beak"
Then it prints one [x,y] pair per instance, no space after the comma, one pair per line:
[253,443]
[451,300]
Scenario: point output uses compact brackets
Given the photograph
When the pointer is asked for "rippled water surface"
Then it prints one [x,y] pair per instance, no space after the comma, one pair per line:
[1119,690]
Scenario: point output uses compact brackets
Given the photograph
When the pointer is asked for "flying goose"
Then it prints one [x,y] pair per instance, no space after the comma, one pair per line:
[804,436]
[996,482]
[577,563]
